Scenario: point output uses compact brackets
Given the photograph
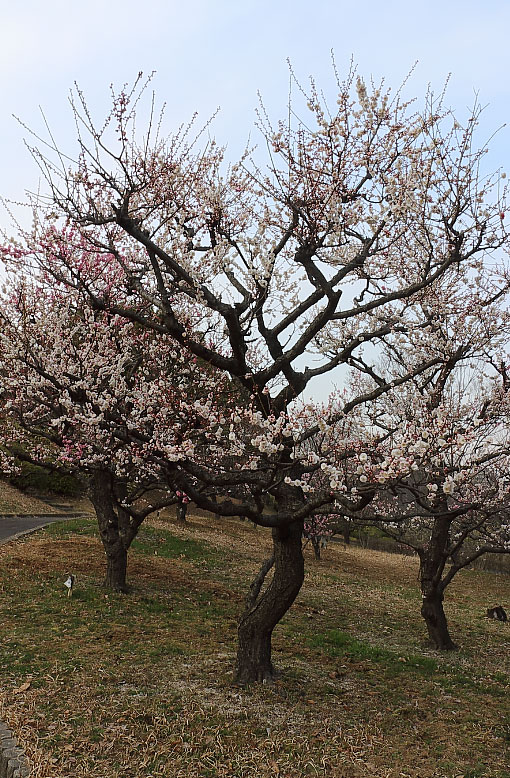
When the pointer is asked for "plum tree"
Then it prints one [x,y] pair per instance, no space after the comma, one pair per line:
[454,503]
[314,260]
[89,393]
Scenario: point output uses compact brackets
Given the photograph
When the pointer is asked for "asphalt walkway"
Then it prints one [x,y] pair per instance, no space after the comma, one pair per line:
[12,527]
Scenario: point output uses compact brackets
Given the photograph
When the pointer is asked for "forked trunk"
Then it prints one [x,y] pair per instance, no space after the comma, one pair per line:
[433,612]
[265,611]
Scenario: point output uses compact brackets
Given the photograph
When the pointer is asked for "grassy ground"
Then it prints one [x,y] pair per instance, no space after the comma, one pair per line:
[140,686]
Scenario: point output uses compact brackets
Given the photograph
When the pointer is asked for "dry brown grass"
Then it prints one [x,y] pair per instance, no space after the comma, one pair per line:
[14,501]
[140,686]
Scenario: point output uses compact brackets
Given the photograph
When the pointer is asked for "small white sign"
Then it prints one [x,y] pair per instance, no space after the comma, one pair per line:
[69,582]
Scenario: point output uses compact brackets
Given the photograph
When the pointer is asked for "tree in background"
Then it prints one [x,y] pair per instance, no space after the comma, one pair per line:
[454,504]
[89,393]
[315,260]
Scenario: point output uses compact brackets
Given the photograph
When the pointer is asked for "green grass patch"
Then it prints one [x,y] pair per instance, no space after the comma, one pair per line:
[340,644]
[149,541]
[163,543]
[72,527]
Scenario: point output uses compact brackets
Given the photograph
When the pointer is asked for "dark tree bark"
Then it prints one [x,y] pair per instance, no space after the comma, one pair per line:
[214,499]
[433,558]
[116,567]
[316,545]
[182,508]
[265,611]
[433,612]
[114,529]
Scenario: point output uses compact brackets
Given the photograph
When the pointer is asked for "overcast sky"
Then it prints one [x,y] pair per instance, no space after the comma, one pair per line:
[210,53]
[220,52]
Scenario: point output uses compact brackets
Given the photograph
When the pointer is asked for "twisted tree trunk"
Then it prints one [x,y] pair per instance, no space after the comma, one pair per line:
[433,558]
[435,619]
[264,611]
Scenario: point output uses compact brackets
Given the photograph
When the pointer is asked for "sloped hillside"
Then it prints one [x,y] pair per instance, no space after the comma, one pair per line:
[14,501]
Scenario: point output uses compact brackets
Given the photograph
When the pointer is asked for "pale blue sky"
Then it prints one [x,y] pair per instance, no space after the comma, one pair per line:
[219,53]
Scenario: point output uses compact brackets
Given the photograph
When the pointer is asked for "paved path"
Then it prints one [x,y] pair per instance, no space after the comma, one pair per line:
[12,527]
